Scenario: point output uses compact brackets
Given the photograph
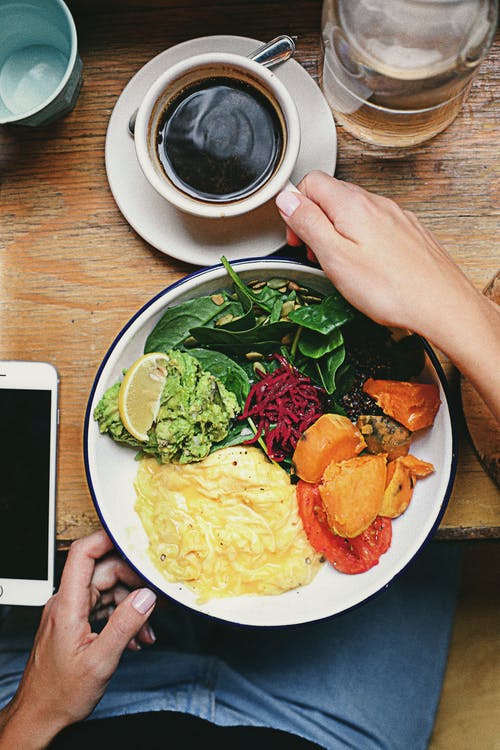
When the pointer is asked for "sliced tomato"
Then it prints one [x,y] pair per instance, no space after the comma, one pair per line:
[351,556]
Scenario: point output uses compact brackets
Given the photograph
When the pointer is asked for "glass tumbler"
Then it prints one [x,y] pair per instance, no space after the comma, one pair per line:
[396,72]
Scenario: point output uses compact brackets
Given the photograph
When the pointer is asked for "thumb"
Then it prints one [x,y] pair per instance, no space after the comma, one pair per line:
[309,222]
[125,622]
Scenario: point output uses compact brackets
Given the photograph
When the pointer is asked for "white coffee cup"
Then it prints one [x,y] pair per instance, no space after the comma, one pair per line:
[187,75]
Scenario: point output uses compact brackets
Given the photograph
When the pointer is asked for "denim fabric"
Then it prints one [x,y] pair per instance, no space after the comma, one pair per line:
[369,679]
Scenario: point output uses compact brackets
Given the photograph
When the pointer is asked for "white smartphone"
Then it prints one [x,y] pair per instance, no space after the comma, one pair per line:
[28,439]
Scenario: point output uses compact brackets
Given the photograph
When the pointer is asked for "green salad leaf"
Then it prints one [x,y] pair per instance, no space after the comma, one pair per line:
[316,345]
[332,312]
[328,367]
[174,326]
[227,335]
[265,338]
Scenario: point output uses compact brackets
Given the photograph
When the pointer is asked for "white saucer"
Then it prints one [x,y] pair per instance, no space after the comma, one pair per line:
[203,241]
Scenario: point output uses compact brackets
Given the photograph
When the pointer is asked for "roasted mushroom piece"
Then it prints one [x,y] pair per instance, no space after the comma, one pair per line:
[384,435]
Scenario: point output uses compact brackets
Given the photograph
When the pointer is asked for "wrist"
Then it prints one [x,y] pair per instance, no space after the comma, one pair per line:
[453,320]
[24,728]
[470,336]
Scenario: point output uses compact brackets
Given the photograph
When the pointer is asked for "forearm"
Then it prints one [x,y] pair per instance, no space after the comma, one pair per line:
[469,334]
[22,729]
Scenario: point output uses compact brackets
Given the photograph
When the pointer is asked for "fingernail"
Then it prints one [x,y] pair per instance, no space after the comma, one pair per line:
[287,202]
[152,634]
[144,600]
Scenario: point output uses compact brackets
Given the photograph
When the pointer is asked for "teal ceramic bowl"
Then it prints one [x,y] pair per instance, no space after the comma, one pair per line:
[40,69]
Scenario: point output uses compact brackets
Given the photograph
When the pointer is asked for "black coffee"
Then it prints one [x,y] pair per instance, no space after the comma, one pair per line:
[220,139]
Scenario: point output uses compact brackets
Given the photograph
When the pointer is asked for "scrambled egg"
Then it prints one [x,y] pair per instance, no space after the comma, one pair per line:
[225,526]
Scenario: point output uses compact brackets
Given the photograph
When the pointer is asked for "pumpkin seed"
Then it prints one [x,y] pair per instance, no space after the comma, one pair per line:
[224,319]
[217,299]
[276,283]
[287,308]
[256,285]
[310,298]
[258,367]
[251,356]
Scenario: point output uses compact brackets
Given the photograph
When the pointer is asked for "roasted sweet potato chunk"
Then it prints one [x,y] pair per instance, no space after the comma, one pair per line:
[417,466]
[331,438]
[402,474]
[414,405]
[384,435]
[399,490]
[352,492]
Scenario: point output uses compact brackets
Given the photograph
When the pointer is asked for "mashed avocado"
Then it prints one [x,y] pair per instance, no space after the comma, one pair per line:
[195,412]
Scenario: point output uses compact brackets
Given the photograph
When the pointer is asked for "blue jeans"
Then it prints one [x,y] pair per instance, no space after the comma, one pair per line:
[369,679]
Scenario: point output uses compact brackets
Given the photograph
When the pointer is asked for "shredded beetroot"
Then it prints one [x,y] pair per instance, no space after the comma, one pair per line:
[283,404]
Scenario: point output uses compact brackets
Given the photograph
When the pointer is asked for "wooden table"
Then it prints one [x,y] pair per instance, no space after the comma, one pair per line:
[73,271]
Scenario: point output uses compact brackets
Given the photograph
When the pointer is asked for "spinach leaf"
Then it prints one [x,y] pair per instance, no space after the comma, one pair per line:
[345,378]
[266,298]
[330,313]
[243,315]
[307,366]
[315,345]
[226,370]
[234,308]
[276,311]
[244,291]
[174,326]
[262,338]
[328,367]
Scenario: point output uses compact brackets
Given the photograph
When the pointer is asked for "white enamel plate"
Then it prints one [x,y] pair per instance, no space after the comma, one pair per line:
[111,470]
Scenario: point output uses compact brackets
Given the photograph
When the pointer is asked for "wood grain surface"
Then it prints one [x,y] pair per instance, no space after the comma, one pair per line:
[73,271]
[483,429]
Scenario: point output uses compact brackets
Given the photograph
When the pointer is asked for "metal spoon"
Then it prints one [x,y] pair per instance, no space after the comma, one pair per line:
[278,50]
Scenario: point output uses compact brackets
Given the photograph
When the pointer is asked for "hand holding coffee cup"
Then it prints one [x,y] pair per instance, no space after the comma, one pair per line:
[217,135]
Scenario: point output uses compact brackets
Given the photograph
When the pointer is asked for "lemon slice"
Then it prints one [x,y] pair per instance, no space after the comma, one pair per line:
[140,393]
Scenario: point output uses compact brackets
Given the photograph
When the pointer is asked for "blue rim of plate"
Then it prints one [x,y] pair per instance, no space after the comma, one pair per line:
[88,419]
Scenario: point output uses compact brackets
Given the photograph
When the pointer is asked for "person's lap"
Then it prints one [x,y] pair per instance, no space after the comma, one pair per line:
[369,678]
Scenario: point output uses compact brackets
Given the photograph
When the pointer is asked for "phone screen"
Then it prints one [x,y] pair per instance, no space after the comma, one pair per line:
[25,427]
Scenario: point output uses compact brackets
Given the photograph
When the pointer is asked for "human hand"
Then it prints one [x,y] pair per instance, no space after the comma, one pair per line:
[377,255]
[390,267]
[70,665]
